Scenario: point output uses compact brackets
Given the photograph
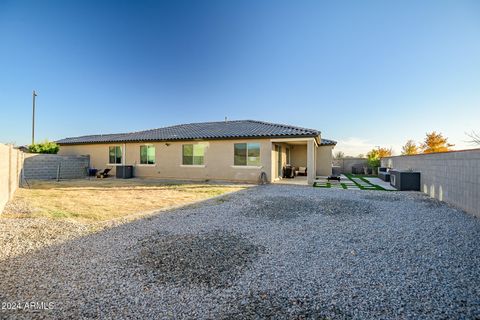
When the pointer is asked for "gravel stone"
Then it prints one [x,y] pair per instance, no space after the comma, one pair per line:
[345,207]
[214,259]
[23,235]
[430,203]
[383,196]
[276,306]
[280,208]
[273,251]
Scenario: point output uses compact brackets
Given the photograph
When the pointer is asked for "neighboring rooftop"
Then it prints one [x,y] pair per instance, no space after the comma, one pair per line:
[205,131]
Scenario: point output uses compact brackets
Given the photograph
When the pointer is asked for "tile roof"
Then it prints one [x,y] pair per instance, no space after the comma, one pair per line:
[204,131]
[327,142]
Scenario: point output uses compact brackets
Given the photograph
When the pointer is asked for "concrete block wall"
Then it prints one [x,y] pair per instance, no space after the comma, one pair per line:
[347,163]
[45,166]
[11,161]
[453,177]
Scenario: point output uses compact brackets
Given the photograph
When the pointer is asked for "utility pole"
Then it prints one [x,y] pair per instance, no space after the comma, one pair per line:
[33,116]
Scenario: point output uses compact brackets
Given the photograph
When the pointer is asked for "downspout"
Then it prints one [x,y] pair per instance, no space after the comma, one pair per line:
[123,158]
[124,154]
[311,169]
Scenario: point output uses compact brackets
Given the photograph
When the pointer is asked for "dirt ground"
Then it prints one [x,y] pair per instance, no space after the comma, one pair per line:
[100,200]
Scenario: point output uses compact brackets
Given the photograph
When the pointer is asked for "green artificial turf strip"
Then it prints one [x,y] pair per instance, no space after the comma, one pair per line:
[327,185]
[362,177]
[350,176]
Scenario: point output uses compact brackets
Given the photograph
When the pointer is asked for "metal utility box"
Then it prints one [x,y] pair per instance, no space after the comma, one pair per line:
[384,174]
[356,169]
[405,180]
[124,172]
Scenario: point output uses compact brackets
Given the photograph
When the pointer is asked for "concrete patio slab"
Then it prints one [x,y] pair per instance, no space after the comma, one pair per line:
[381,183]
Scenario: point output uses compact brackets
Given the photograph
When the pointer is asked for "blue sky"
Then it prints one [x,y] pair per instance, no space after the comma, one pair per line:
[365,73]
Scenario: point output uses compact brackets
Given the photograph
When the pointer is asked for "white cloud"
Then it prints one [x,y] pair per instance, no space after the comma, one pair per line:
[353,146]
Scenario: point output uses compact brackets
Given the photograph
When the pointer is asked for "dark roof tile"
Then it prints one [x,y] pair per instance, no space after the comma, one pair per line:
[205,131]
[327,142]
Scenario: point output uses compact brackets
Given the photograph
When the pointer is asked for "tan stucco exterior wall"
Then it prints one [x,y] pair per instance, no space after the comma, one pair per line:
[324,160]
[299,155]
[4,175]
[218,160]
[11,164]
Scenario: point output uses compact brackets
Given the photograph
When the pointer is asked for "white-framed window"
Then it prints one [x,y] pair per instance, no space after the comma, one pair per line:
[147,154]
[115,155]
[193,154]
[246,154]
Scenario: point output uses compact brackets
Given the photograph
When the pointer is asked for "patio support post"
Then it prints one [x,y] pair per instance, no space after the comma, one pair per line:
[311,169]
[272,163]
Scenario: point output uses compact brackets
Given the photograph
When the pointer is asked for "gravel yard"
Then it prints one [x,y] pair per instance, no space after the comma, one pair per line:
[286,252]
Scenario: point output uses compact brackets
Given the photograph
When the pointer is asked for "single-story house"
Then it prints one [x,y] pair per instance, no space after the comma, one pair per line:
[228,150]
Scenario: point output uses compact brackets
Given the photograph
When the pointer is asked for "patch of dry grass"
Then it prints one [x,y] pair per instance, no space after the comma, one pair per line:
[107,199]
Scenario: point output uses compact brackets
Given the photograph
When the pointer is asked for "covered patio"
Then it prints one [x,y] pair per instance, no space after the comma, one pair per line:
[299,161]
[298,180]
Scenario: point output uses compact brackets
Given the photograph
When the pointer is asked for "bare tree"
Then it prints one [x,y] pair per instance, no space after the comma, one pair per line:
[339,155]
[475,137]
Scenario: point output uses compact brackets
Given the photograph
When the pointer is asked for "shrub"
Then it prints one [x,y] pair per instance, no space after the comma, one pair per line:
[44,147]
[374,156]
[373,162]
